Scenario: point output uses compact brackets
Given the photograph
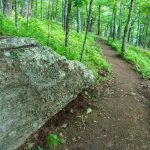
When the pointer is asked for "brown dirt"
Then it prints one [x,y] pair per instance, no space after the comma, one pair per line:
[120,117]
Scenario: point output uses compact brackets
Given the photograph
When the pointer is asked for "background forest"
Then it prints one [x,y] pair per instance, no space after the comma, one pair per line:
[70,27]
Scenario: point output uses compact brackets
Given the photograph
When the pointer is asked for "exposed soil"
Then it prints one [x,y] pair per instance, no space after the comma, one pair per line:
[120,118]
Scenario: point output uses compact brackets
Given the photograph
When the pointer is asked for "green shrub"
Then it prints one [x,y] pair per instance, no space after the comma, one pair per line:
[139,57]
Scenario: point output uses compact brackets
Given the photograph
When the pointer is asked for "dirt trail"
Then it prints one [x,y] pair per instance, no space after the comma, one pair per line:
[120,120]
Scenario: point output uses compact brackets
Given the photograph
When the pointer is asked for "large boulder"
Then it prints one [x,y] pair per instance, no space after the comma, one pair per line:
[35,83]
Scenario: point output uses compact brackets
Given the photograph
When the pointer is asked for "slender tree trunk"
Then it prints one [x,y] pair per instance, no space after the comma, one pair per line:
[88,20]
[25,10]
[138,29]
[130,29]
[48,22]
[120,21]
[65,13]
[62,16]
[99,20]
[129,34]
[78,20]
[4,5]
[68,23]
[36,7]
[111,27]
[52,10]
[126,30]
[91,24]
[56,10]
[16,14]
[106,30]
[28,14]
[8,8]
[114,22]
[32,7]
[41,9]
[1,6]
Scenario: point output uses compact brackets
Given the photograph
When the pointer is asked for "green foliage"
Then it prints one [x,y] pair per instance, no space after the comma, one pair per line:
[139,57]
[39,30]
[29,146]
[54,140]
[40,148]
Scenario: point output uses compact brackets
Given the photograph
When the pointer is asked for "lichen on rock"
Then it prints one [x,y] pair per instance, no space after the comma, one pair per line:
[36,83]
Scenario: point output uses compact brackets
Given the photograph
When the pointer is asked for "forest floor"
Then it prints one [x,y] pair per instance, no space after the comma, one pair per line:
[120,117]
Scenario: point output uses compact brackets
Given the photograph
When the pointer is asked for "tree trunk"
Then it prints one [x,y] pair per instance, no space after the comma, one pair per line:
[99,20]
[56,10]
[52,10]
[88,20]
[111,27]
[62,16]
[48,22]
[41,9]
[138,29]
[32,7]
[65,13]
[8,8]
[25,10]
[106,30]
[16,14]
[28,14]
[48,10]
[78,20]
[68,23]
[114,22]
[120,21]
[126,30]
[1,6]
[36,7]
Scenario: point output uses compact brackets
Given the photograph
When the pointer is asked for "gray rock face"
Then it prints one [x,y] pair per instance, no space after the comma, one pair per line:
[35,83]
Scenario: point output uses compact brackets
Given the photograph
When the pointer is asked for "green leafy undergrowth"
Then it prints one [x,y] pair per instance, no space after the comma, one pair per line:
[39,30]
[139,57]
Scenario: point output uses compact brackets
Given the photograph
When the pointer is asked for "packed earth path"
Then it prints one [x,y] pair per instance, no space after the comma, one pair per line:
[119,119]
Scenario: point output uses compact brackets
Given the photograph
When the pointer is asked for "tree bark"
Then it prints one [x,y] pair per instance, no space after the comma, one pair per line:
[120,21]
[138,28]
[78,20]
[62,16]
[68,23]
[126,30]
[25,11]
[48,22]
[111,28]
[130,29]
[88,20]
[56,10]
[65,12]
[16,14]
[36,7]
[32,7]
[8,8]
[1,6]
[114,21]
[41,9]
[28,14]
[99,20]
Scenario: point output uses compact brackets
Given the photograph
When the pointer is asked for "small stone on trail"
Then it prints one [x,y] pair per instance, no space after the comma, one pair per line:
[64,125]
[132,93]
[71,110]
